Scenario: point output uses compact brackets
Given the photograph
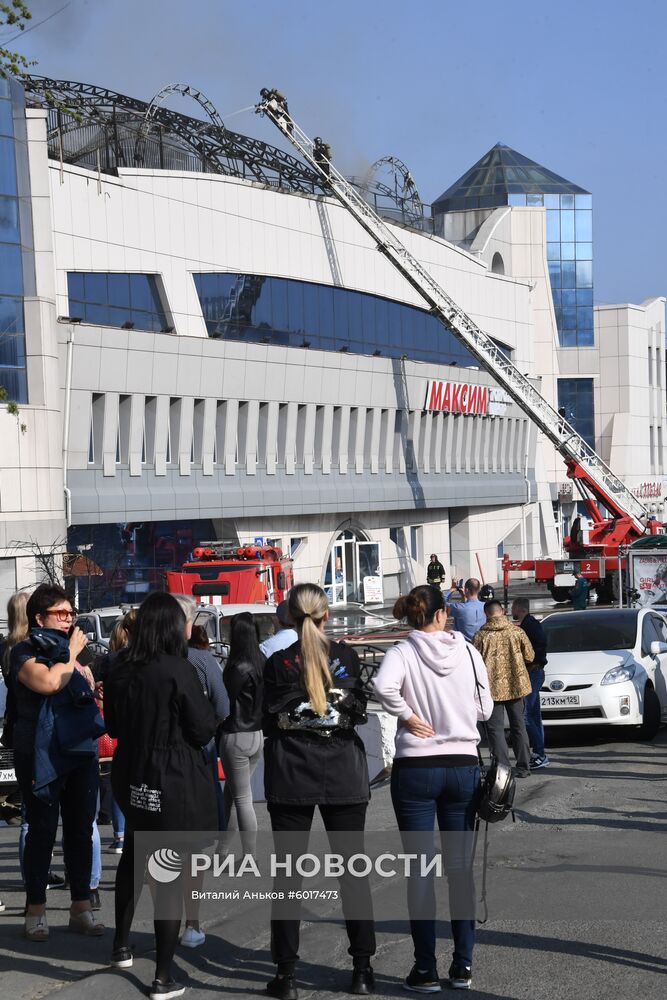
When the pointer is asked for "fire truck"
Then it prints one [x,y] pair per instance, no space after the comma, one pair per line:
[626,519]
[221,573]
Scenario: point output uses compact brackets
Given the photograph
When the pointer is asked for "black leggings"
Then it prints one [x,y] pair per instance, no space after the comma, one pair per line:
[127,896]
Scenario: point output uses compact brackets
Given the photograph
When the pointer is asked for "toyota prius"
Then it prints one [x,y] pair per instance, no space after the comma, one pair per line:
[606,667]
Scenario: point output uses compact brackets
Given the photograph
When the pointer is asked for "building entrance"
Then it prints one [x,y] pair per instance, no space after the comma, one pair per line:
[353,572]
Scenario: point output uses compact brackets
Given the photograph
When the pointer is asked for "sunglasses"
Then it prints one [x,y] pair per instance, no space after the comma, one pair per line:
[61,615]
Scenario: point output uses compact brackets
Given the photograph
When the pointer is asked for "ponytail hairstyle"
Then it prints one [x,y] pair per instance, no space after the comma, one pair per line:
[122,632]
[308,608]
[420,606]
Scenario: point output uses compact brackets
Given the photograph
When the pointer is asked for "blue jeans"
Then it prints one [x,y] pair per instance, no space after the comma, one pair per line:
[419,795]
[117,819]
[533,713]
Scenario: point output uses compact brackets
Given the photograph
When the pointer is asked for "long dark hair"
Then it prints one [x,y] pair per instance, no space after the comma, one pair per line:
[159,630]
[244,643]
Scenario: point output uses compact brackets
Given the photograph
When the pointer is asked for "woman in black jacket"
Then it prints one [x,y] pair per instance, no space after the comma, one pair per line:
[313,698]
[156,708]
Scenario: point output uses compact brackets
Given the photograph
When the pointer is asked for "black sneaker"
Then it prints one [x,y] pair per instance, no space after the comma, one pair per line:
[282,987]
[165,991]
[54,881]
[460,976]
[422,981]
[363,981]
[122,958]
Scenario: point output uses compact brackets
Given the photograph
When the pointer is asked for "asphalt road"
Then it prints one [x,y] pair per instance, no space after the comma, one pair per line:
[576,895]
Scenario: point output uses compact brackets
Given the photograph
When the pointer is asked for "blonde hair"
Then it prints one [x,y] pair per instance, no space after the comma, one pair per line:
[308,608]
[17,623]
[123,631]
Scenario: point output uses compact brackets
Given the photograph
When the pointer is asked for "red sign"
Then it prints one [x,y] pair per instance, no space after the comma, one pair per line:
[648,490]
[456,397]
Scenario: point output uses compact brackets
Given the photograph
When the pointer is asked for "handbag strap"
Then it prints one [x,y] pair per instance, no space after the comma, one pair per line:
[483,721]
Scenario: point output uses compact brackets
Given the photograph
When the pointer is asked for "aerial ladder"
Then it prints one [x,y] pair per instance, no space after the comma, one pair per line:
[596,482]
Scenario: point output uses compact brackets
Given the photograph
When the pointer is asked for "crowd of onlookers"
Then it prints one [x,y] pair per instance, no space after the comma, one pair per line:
[174,721]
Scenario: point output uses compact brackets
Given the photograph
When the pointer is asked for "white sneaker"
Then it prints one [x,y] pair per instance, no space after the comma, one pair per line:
[192,938]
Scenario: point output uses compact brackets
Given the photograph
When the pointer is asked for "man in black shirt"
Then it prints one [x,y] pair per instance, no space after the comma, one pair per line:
[538,640]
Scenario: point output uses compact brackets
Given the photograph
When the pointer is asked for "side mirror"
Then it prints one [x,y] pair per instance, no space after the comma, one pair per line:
[91,637]
[657,648]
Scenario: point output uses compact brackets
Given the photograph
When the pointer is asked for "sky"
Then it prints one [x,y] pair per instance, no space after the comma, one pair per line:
[577,86]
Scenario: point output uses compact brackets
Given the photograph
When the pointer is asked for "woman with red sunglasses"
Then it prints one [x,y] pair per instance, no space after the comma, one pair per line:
[40,667]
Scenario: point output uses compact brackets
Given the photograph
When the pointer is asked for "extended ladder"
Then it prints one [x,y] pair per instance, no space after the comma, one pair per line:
[584,464]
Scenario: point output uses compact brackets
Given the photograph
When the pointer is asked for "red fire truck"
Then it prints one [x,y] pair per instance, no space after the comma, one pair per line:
[220,573]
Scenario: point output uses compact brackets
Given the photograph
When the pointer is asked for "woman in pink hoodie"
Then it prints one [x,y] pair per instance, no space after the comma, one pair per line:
[428,681]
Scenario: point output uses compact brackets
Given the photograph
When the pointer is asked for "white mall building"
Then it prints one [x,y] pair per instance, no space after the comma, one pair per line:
[203,344]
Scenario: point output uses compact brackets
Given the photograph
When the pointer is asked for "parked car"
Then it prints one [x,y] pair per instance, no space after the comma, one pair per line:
[98,624]
[216,619]
[606,667]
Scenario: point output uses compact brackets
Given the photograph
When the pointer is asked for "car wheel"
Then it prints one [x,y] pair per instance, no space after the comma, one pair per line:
[651,716]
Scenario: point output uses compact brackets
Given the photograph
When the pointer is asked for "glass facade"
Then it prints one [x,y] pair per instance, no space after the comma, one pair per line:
[575,397]
[505,177]
[268,310]
[570,259]
[134,556]
[129,301]
[17,272]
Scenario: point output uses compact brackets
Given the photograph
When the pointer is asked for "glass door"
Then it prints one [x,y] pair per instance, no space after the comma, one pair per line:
[368,575]
[335,582]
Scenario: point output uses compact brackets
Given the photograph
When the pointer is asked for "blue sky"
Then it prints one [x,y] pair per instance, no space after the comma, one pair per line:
[577,86]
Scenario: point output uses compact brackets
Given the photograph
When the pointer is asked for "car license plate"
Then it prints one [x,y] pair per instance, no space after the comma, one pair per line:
[559,700]
[7,777]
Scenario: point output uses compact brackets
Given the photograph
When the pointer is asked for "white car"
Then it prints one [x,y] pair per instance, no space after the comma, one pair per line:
[606,667]
[217,620]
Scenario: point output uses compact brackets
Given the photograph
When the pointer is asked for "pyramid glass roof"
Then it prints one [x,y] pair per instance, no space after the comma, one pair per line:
[498,174]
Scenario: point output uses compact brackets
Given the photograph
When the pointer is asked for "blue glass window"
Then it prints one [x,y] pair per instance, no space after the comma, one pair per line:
[567,227]
[281,311]
[553,226]
[6,124]
[7,166]
[584,274]
[584,201]
[516,199]
[15,382]
[567,251]
[584,251]
[118,300]
[11,269]
[568,274]
[567,201]
[583,221]
[9,220]
[575,396]
[551,201]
